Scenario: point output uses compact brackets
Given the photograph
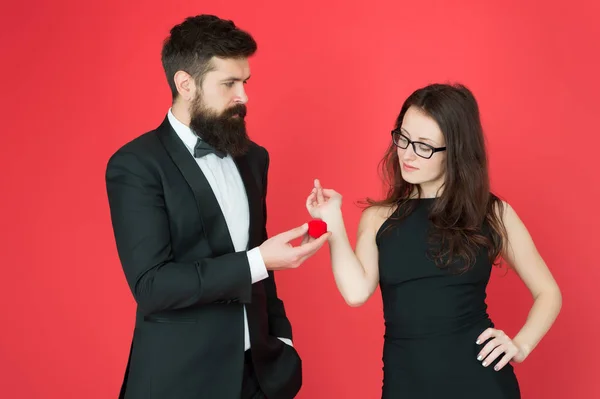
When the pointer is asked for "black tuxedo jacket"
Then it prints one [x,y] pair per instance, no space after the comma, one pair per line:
[189,283]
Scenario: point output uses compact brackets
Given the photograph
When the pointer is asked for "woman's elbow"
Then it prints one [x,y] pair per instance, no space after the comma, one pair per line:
[355,300]
[552,294]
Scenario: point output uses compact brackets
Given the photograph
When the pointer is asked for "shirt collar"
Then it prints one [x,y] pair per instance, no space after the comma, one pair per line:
[184,132]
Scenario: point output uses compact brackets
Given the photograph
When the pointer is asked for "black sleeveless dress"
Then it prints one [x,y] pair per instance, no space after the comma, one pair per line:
[432,320]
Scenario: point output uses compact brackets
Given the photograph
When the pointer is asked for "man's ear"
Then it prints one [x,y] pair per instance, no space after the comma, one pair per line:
[186,86]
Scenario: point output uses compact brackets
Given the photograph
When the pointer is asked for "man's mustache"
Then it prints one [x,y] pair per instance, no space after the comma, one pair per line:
[239,110]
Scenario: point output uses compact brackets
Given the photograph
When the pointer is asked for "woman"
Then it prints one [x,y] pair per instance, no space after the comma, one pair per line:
[430,245]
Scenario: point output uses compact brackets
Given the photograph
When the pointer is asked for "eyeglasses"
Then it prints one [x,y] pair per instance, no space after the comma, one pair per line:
[423,150]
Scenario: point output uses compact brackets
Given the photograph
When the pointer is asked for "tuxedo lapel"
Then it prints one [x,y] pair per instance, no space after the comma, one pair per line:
[210,212]
[254,199]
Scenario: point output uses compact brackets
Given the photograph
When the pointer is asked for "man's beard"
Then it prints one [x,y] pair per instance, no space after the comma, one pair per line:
[225,132]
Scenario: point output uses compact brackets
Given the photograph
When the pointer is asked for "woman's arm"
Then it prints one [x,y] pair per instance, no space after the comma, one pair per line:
[356,274]
[521,253]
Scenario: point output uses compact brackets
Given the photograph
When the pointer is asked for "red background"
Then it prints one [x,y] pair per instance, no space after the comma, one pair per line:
[79,79]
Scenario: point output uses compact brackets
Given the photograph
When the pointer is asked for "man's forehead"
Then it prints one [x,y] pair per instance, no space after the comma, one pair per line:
[237,67]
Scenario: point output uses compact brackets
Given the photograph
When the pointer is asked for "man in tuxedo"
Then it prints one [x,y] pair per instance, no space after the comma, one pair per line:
[188,209]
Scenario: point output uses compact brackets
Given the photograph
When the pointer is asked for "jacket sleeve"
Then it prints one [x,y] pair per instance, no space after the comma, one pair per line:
[141,230]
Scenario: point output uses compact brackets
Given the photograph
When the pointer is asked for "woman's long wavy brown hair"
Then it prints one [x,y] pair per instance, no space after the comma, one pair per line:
[466,216]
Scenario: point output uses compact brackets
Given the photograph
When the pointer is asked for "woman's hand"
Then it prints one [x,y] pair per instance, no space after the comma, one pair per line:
[323,203]
[500,344]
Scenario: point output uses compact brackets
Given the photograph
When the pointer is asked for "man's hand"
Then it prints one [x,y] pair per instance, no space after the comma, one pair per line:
[279,254]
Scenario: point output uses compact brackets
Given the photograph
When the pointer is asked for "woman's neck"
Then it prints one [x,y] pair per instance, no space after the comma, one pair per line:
[428,191]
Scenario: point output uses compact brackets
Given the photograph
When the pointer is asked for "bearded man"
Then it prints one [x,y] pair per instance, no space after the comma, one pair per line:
[188,209]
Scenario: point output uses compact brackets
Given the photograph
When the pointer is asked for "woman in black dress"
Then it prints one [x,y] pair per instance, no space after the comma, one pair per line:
[430,245]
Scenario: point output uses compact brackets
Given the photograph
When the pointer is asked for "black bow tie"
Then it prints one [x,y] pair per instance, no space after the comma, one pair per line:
[202,148]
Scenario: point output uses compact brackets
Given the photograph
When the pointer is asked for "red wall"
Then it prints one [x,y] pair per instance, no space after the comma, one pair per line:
[81,78]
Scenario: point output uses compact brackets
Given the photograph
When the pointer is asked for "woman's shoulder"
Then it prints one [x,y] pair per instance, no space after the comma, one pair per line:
[501,207]
[374,216]
[380,211]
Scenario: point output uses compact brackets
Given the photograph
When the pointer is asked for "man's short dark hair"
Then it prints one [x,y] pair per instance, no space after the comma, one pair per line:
[191,45]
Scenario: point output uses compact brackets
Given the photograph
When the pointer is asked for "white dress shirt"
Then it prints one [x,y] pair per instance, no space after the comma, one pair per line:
[227,185]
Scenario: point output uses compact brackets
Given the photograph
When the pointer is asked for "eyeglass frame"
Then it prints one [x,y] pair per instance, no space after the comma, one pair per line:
[413,143]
